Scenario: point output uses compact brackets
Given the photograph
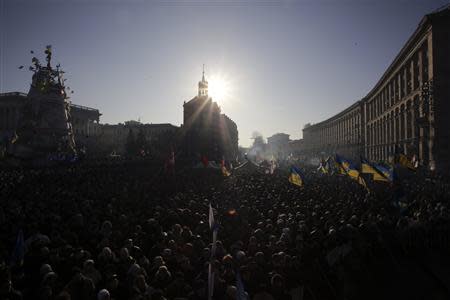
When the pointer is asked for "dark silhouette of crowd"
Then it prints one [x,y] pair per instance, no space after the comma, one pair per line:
[129,231]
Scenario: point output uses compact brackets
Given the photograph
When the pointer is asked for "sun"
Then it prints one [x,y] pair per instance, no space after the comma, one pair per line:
[219,88]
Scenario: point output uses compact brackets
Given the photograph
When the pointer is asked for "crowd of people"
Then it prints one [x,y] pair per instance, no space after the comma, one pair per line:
[118,231]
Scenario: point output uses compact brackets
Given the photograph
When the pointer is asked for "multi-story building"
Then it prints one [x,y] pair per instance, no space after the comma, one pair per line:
[84,119]
[113,137]
[11,112]
[338,134]
[406,111]
[296,148]
[205,130]
[278,145]
[229,137]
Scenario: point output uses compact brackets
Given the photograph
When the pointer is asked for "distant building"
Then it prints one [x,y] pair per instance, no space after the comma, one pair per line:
[229,137]
[278,145]
[205,130]
[338,134]
[406,111]
[296,148]
[158,138]
[84,119]
[11,112]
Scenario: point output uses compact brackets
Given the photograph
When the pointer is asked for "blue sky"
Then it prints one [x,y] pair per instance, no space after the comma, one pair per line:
[288,62]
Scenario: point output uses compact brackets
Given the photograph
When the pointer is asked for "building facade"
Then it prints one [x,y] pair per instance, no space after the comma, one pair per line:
[406,111]
[157,139]
[278,145]
[205,130]
[338,134]
[11,112]
[12,105]
[297,147]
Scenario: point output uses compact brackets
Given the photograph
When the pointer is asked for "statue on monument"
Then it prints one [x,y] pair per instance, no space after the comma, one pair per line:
[46,126]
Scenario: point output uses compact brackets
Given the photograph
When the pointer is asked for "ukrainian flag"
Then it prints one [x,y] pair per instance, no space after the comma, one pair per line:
[322,168]
[386,172]
[295,177]
[379,172]
[347,167]
[366,167]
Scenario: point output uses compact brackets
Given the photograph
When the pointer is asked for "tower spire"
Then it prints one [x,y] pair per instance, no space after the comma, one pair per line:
[203,74]
[203,85]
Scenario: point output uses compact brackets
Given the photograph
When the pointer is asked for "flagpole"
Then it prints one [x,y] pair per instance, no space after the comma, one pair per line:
[213,227]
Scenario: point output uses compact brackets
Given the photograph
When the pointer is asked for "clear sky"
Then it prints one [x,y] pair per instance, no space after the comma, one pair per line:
[287,62]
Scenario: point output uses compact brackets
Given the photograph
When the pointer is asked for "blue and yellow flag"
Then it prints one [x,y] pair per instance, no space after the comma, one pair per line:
[322,169]
[295,177]
[386,172]
[366,167]
[347,167]
[378,171]
[324,166]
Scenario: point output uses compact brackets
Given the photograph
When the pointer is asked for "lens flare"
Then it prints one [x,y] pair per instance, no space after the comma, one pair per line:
[219,88]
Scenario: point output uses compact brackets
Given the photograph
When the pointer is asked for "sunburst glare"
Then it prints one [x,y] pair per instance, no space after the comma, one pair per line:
[219,88]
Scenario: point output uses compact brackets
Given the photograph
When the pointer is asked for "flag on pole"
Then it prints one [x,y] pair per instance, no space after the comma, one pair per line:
[385,173]
[213,226]
[205,161]
[322,168]
[295,177]
[378,171]
[347,166]
[240,293]
[211,217]
[210,281]
[18,253]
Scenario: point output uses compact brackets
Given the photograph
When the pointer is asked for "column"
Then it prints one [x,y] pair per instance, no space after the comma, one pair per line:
[431,105]
[395,118]
[405,81]
[388,135]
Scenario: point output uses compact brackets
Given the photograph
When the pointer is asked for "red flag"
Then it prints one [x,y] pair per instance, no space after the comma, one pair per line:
[205,161]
